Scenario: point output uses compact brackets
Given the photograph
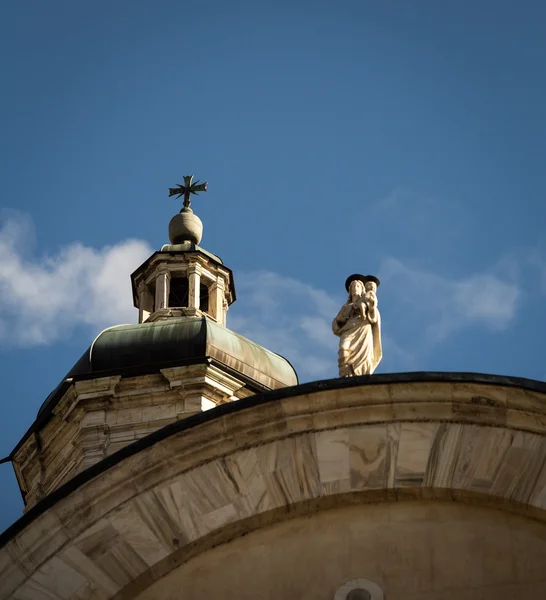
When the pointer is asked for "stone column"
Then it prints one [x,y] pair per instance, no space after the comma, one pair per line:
[145,303]
[216,301]
[194,282]
[162,289]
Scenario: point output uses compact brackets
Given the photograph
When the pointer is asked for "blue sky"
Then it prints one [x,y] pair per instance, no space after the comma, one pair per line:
[407,140]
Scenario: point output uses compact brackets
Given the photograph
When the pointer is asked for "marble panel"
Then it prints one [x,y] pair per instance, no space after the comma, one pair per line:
[121,563]
[250,479]
[88,592]
[97,539]
[531,473]
[538,495]
[369,457]
[58,578]
[182,510]
[34,545]
[95,577]
[332,488]
[443,456]
[218,518]
[488,447]
[145,525]
[333,455]
[31,590]
[516,461]
[11,575]
[275,457]
[306,465]
[212,486]
[412,456]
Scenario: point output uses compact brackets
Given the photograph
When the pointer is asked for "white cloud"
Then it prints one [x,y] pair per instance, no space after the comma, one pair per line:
[289,317]
[421,310]
[442,306]
[43,299]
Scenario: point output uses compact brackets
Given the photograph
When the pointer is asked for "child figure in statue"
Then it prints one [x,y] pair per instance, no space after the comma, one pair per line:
[358,325]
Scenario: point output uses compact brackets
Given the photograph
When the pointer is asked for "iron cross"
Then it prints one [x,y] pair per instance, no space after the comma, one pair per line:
[187,189]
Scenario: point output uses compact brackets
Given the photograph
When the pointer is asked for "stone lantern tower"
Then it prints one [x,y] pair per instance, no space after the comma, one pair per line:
[183,279]
[392,486]
[178,361]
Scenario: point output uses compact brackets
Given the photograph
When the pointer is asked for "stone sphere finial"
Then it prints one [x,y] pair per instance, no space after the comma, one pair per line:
[186,226]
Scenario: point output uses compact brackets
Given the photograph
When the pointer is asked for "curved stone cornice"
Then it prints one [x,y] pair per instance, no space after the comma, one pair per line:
[131,518]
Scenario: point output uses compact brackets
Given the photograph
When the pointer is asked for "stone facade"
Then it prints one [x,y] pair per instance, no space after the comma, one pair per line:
[420,550]
[435,489]
[97,417]
[178,361]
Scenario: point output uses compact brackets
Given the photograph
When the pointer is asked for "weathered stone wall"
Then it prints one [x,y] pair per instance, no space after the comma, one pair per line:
[412,550]
[97,417]
[113,532]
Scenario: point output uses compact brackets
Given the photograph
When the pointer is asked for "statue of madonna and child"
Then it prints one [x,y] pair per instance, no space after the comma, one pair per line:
[358,326]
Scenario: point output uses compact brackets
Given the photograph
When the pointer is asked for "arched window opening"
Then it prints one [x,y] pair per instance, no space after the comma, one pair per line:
[203,298]
[179,292]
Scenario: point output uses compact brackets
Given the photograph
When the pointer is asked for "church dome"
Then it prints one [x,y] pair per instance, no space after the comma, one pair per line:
[131,350]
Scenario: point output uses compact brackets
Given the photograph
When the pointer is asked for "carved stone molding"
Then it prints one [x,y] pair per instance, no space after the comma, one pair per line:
[201,482]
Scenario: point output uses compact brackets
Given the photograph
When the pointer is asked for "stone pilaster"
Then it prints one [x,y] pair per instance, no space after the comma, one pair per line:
[204,386]
[145,303]
[217,301]
[162,289]
[194,282]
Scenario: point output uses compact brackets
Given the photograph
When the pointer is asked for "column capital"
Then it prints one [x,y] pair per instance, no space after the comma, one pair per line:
[194,268]
[162,270]
[219,283]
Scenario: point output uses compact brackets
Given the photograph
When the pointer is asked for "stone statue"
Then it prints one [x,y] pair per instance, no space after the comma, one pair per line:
[358,326]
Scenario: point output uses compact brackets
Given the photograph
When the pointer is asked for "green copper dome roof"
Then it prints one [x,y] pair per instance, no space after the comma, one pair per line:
[131,350]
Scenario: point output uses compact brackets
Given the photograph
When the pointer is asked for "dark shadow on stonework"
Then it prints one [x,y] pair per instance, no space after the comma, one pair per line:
[203,298]
[358,594]
[178,295]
